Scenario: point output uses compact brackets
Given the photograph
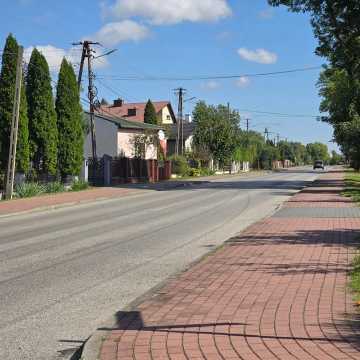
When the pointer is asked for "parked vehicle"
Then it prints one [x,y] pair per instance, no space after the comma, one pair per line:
[319,164]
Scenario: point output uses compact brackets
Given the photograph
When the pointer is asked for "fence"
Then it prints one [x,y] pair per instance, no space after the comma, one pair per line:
[115,171]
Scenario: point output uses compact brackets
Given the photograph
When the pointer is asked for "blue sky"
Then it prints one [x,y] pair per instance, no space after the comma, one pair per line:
[180,38]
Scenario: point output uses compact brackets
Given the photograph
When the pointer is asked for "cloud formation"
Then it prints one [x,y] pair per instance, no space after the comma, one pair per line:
[55,55]
[242,82]
[114,33]
[211,85]
[261,56]
[160,12]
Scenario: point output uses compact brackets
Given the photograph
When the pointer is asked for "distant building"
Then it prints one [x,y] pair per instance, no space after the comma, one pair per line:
[188,131]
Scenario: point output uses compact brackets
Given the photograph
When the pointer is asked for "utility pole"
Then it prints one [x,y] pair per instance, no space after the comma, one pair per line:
[14,126]
[180,92]
[87,52]
[247,125]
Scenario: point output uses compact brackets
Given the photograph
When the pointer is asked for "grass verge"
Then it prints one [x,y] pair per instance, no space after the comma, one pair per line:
[352,185]
[355,278]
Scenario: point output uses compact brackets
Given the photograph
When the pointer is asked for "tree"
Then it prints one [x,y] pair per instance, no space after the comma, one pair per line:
[69,122]
[340,99]
[337,27]
[42,116]
[336,158]
[317,151]
[150,116]
[216,130]
[7,91]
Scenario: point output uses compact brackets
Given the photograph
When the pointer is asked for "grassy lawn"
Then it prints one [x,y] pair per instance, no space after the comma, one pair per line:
[352,185]
[352,190]
[355,278]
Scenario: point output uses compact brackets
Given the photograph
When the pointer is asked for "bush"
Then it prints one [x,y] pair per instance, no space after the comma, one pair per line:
[55,187]
[31,189]
[206,171]
[194,172]
[179,165]
[79,185]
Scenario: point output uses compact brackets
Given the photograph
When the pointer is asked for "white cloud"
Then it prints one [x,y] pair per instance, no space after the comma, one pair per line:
[55,55]
[266,14]
[116,32]
[261,56]
[242,82]
[210,85]
[160,12]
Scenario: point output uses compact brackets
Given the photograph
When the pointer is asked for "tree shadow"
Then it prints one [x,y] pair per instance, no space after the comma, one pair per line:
[133,320]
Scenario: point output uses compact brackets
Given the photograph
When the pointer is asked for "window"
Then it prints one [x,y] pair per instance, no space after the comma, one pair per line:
[131,112]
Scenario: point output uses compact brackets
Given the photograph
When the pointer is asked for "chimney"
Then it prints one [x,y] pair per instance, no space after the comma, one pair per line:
[118,102]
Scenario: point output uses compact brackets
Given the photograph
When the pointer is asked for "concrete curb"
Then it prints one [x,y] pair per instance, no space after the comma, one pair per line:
[92,346]
[162,186]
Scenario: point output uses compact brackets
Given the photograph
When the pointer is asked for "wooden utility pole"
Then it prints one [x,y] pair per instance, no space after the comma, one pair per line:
[87,52]
[180,92]
[14,126]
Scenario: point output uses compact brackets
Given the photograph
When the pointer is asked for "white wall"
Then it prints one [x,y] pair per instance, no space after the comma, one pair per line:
[106,139]
[164,114]
[126,144]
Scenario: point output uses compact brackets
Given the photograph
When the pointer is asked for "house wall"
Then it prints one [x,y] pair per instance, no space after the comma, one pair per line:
[106,139]
[189,143]
[165,112]
[125,144]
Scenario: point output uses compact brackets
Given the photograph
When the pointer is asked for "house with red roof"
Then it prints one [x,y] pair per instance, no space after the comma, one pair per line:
[135,111]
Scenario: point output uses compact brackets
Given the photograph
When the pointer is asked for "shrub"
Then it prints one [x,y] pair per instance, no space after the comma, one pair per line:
[204,171]
[179,165]
[194,172]
[31,189]
[79,185]
[55,187]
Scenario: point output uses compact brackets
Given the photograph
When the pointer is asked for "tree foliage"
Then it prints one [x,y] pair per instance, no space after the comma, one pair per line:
[69,122]
[42,116]
[150,116]
[337,27]
[317,151]
[7,92]
[216,130]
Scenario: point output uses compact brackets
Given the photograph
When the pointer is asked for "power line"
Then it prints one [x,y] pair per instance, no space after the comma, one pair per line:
[207,77]
[281,114]
[116,92]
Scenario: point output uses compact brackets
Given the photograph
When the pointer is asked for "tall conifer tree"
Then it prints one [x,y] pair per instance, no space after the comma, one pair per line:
[7,92]
[69,122]
[150,116]
[42,116]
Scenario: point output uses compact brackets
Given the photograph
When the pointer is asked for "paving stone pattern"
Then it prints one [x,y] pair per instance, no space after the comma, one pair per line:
[277,291]
[321,212]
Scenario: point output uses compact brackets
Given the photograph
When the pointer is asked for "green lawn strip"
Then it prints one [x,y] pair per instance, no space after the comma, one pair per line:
[355,278]
[352,185]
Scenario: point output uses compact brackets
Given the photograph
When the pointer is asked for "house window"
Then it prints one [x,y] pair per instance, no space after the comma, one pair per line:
[131,112]
[168,117]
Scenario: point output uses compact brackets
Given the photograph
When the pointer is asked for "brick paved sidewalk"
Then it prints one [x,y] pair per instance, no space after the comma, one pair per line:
[276,291]
[45,201]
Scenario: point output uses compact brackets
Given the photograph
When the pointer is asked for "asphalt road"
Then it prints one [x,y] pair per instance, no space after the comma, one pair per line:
[63,272]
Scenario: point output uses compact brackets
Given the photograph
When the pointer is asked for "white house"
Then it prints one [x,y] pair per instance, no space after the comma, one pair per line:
[116,136]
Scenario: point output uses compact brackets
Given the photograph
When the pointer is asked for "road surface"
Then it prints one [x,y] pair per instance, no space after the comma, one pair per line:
[63,272]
